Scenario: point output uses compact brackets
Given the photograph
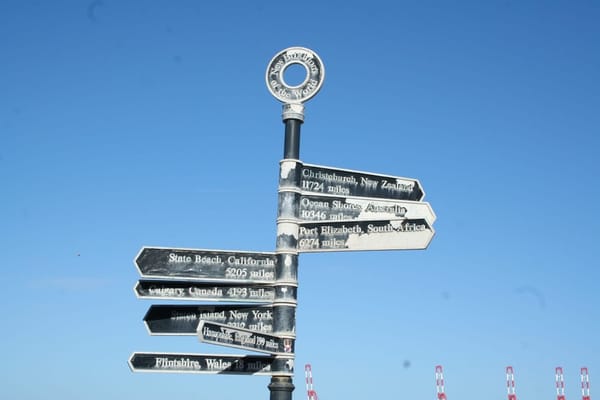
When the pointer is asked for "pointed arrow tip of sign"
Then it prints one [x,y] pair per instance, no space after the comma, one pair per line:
[130,362]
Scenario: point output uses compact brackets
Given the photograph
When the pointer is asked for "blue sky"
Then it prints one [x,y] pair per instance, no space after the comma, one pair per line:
[132,123]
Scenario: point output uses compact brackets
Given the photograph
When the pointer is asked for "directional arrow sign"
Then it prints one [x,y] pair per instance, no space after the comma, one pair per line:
[184,319]
[399,234]
[206,265]
[207,364]
[213,333]
[177,290]
[345,182]
[335,208]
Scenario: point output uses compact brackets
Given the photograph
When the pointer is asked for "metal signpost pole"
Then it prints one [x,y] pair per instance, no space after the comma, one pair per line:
[286,270]
[320,209]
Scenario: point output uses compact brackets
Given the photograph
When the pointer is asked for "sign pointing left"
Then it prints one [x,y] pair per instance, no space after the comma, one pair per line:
[173,319]
[206,364]
[186,290]
[206,265]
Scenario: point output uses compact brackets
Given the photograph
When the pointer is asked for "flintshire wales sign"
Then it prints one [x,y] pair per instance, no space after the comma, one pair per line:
[321,209]
[201,363]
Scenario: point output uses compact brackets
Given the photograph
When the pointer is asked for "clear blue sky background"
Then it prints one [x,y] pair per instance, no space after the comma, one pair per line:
[131,123]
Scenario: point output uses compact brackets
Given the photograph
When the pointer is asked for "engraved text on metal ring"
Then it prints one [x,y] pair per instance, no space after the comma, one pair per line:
[315,74]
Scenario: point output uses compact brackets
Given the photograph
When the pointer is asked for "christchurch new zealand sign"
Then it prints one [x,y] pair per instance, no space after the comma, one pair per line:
[210,265]
[344,182]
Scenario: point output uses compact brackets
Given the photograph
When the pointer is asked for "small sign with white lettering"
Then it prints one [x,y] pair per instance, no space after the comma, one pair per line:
[184,319]
[345,182]
[399,234]
[206,265]
[176,290]
[318,208]
[214,333]
[208,364]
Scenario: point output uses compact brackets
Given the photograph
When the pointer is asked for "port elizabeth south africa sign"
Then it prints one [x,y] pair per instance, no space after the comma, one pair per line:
[247,299]
[396,234]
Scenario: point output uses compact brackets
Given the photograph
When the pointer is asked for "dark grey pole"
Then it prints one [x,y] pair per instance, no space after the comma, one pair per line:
[292,139]
[286,269]
[286,249]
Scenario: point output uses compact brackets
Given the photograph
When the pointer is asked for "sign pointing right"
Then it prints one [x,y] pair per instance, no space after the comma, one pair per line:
[397,234]
[345,182]
[215,333]
[337,208]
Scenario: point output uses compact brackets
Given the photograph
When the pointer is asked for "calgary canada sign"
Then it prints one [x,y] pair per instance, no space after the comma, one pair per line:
[321,209]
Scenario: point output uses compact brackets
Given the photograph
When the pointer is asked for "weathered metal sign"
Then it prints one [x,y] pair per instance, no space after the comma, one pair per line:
[184,319]
[305,90]
[335,208]
[344,182]
[204,364]
[400,234]
[214,333]
[206,265]
[184,290]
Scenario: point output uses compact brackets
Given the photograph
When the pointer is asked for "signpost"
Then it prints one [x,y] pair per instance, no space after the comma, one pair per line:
[345,182]
[213,333]
[316,208]
[184,319]
[320,209]
[396,234]
[184,290]
[202,363]
[208,265]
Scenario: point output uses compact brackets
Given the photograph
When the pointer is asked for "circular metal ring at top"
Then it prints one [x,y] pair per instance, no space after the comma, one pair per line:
[315,75]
